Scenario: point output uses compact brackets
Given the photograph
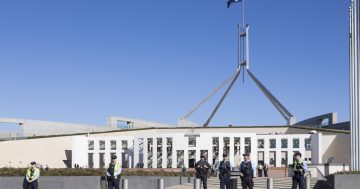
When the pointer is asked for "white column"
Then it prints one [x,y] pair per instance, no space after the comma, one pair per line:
[242,148]
[354,85]
[221,148]
[186,157]
[254,150]
[155,153]
[145,153]
[164,152]
[231,155]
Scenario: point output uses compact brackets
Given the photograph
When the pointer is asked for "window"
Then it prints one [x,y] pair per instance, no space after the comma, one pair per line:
[308,143]
[192,141]
[237,145]
[215,149]
[159,152]
[101,160]
[247,145]
[272,143]
[169,149]
[90,160]
[261,143]
[102,145]
[90,145]
[180,158]
[124,144]
[226,147]
[296,142]
[113,145]
[284,143]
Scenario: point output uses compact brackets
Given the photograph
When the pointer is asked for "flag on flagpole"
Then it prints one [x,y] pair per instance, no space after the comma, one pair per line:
[229,2]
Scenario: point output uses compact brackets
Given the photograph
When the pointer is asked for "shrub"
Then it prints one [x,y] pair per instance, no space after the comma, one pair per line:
[10,172]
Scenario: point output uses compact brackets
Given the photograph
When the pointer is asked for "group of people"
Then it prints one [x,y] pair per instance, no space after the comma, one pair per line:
[247,171]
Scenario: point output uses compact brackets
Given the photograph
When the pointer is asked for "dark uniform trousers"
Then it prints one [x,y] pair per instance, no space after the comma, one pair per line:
[298,179]
[247,182]
[114,183]
[32,185]
[225,182]
[203,179]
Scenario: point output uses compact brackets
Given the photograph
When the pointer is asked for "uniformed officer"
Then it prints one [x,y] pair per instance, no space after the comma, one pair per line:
[224,168]
[202,167]
[247,172]
[113,173]
[299,168]
[266,169]
[32,177]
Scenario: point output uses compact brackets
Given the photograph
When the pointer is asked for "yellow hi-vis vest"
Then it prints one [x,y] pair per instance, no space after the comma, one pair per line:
[116,168]
[295,166]
[36,172]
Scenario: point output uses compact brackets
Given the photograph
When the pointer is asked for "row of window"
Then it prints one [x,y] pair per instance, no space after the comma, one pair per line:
[113,146]
[284,143]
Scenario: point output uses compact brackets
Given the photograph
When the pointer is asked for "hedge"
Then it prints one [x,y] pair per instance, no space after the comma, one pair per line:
[91,172]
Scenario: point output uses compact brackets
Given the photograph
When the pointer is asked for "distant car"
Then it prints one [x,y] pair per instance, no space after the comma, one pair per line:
[313,132]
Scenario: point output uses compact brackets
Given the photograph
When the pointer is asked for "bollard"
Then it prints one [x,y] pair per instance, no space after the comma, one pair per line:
[307,182]
[125,184]
[197,183]
[270,183]
[189,179]
[180,180]
[161,184]
[233,183]
[103,183]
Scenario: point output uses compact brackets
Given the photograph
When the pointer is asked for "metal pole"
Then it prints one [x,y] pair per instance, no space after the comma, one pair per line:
[270,183]
[247,47]
[307,183]
[206,124]
[197,183]
[125,184]
[161,184]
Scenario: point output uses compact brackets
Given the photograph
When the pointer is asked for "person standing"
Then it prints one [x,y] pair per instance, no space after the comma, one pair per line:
[299,168]
[224,168]
[202,168]
[266,169]
[113,173]
[247,172]
[260,169]
[32,177]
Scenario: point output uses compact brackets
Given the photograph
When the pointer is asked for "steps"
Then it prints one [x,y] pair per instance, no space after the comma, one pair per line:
[259,183]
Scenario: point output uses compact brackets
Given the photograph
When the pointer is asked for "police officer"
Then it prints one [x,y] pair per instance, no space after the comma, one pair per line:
[202,167]
[247,172]
[113,173]
[224,168]
[32,177]
[299,168]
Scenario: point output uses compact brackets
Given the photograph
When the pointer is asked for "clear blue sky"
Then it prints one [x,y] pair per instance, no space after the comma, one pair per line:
[83,60]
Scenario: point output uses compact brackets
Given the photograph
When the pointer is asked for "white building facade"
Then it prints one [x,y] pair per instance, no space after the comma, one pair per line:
[177,150]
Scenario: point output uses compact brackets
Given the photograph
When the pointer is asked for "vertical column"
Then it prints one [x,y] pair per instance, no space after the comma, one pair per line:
[254,150]
[154,153]
[242,147]
[145,157]
[354,85]
[210,150]
[231,155]
[186,157]
[221,148]
[164,152]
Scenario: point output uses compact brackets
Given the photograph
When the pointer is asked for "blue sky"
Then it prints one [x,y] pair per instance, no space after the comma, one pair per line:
[83,60]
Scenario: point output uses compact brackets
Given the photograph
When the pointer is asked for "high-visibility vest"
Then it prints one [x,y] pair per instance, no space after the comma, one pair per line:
[36,172]
[116,168]
[295,166]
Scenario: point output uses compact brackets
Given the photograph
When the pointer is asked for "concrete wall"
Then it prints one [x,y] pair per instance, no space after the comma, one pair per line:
[54,152]
[79,182]
[339,181]
[336,146]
